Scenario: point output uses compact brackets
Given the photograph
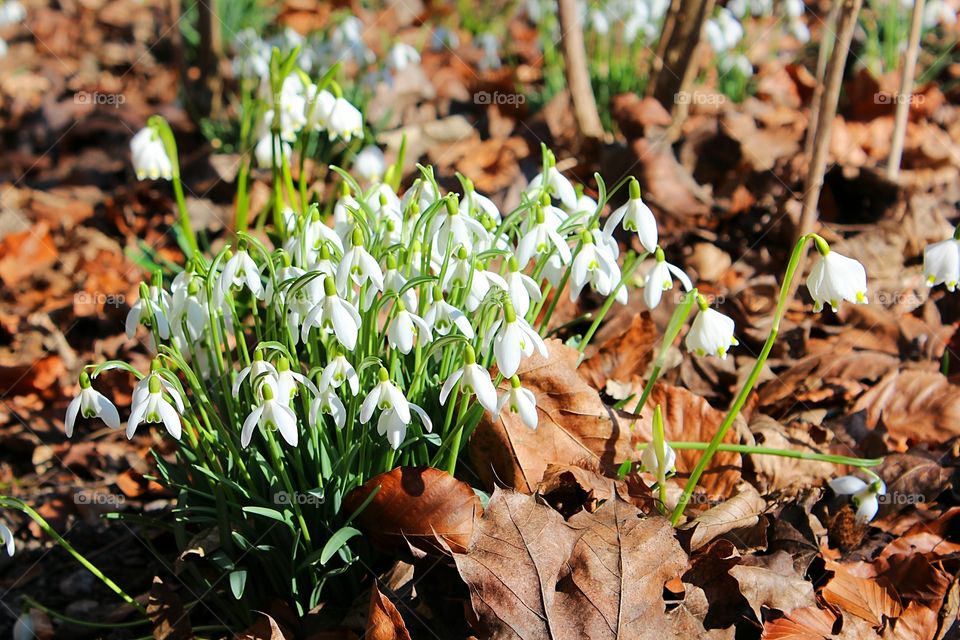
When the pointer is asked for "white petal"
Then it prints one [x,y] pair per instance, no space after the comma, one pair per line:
[449,384]
[847,485]
[171,419]
[249,425]
[72,410]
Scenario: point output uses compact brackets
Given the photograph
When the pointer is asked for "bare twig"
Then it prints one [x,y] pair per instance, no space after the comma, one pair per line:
[823,56]
[210,53]
[578,75]
[849,10]
[679,51]
[904,97]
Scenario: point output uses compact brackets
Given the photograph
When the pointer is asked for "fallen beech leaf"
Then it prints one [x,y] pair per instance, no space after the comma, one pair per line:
[742,510]
[626,347]
[714,593]
[917,623]
[384,622]
[531,575]
[423,508]
[911,479]
[265,628]
[166,611]
[27,253]
[806,623]
[915,579]
[763,587]
[863,597]
[570,488]
[917,406]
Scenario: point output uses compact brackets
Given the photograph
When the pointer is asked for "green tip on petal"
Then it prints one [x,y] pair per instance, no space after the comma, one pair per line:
[154,384]
[283,364]
[383,375]
[634,189]
[822,247]
[515,382]
[470,355]
[329,286]
[267,392]
[861,297]
[453,205]
[658,254]
[509,314]
[357,237]
[84,380]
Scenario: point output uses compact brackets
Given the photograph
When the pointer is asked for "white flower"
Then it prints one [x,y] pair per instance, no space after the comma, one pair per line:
[188,307]
[521,289]
[257,371]
[451,225]
[711,332]
[473,379]
[941,263]
[160,303]
[6,539]
[150,407]
[329,403]
[660,279]
[386,397]
[637,217]
[370,164]
[90,404]
[834,278]
[541,239]
[864,495]
[724,31]
[595,265]
[286,383]
[394,427]
[477,205]
[649,460]
[149,155]
[264,151]
[521,402]
[340,120]
[556,185]
[271,414]
[338,371]
[513,338]
[463,271]
[394,281]
[938,12]
[241,271]
[443,316]
[402,55]
[358,266]
[407,330]
[333,315]
[11,12]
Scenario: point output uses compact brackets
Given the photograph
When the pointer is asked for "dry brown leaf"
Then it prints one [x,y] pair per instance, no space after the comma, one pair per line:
[166,611]
[531,575]
[917,623]
[265,628]
[384,622]
[763,587]
[914,406]
[862,597]
[742,510]
[626,346]
[420,508]
[777,473]
[807,623]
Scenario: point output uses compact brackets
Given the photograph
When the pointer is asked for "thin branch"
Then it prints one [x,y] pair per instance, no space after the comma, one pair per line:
[578,75]
[905,96]
[823,56]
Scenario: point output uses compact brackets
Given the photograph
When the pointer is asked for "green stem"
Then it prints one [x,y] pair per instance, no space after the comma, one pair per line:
[677,320]
[771,451]
[751,381]
[185,225]
[15,503]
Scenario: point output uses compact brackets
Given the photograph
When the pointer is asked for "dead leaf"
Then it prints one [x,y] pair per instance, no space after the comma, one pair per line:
[384,622]
[782,589]
[807,623]
[742,510]
[917,623]
[916,406]
[27,253]
[166,611]
[420,508]
[532,575]
[627,345]
[265,628]
[863,597]
[776,473]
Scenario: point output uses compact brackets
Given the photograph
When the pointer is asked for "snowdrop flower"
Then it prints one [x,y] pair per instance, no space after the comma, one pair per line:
[338,371]
[90,404]
[258,371]
[328,402]
[407,330]
[941,263]
[159,301]
[188,307]
[464,270]
[395,410]
[521,402]
[11,12]
[333,315]
[394,428]
[358,266]
[402,55]
[478,206]
[149,155]
[938,12]
[711,332]
[150,407]
[595,265]
[423,192]
[738,63]
[649,460]
[555,184]
[449,224]
[241,271]
[540,239]
[443,316]
[585,206]
[6,539]
[287,383]
[370,164]
[271,414]
[834,278]
[512,338]
[473,379]
[521,288]
[660,279]
[347,40]
[864,495]
[394,281]
[343,120]
[264,150]
[723,32]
